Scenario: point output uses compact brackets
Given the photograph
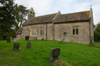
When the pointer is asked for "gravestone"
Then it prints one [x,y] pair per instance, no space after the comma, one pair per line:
[54,55]
[42,39]
[15,39]
[35,39]
[16,46]
[28,45]
[8,40]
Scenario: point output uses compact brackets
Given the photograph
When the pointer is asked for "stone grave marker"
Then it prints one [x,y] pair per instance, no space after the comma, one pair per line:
[42,39]
[15,39]
[10,38]
[54,55]
[16,46]
[28,45]
[35,39]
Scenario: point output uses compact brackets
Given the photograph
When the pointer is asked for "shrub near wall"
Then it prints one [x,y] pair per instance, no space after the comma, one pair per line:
[26,37]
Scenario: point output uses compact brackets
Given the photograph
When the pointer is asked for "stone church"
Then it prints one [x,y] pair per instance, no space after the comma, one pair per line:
[73,27]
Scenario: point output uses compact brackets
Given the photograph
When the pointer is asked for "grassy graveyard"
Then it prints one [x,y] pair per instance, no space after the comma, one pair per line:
[73,54]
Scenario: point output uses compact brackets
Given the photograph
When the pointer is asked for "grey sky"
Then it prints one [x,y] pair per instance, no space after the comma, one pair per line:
[43,7]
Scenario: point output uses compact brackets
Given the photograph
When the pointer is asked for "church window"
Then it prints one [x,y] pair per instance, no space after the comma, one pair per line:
[33,32]
[75,31]
[41,32]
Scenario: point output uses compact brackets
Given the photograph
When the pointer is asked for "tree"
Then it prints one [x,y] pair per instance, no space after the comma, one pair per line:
[7,17]
[22,14]
[97,33]
[96,36]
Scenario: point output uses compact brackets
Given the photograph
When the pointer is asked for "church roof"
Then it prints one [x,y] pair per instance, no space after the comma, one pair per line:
[19,32]
[40,19]
[79,16]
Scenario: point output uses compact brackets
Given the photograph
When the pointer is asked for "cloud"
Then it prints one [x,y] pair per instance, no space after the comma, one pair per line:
[96,13]
[82,6]
[43,7]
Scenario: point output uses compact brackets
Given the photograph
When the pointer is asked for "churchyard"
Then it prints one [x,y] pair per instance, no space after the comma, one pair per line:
[37,53]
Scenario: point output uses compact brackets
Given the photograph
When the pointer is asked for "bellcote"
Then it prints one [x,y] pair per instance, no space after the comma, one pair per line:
[31,13]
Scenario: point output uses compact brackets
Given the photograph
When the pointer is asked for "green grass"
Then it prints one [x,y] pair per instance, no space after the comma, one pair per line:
[73,53]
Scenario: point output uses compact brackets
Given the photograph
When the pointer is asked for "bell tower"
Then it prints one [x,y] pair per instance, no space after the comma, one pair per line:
[31,13]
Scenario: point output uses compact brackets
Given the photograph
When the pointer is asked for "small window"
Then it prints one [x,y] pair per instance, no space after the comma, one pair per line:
[76,30]
[41,32]
[33,32]
[73,31]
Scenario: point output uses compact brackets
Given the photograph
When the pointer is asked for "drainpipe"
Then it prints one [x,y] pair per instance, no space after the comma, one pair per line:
[53,31]
[46,31]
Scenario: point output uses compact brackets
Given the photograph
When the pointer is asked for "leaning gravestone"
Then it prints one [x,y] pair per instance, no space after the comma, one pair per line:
[8,40]
[28,45]
[16,46]
[54,54]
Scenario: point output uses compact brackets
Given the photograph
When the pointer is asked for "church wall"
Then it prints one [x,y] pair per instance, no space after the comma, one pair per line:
[82,37]
[28,29]
[59,29]
[25,32]
[19,37]
[50,31]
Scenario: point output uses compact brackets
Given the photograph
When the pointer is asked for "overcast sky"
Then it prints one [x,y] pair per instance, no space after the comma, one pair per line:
[43,7]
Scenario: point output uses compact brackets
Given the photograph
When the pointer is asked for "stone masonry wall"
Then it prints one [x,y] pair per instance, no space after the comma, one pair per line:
[19,37]
[38,27]
[82,37]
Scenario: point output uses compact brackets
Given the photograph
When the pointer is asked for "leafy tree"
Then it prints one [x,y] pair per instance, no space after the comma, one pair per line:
[97,33]
[96,36]
[7,17]
[22,11]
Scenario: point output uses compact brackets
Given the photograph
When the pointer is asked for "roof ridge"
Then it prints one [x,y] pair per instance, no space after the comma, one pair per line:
[46,15]
[18,30]
[76,12]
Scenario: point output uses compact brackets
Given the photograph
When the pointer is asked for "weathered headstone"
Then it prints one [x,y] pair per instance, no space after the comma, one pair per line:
[8,40]
[54,54]
[16,46]
[61,40]
[35,39]
[15,39]
[28,45]
[42,39]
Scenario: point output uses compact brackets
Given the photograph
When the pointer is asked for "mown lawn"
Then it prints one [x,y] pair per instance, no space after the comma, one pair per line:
[74,53]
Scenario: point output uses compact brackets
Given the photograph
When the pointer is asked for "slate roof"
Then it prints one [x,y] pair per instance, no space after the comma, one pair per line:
[19,32]
[40,19]
[72,17]
[79,16]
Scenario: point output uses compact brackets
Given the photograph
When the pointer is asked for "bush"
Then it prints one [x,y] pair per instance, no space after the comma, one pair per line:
[60,63]
[26,37]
